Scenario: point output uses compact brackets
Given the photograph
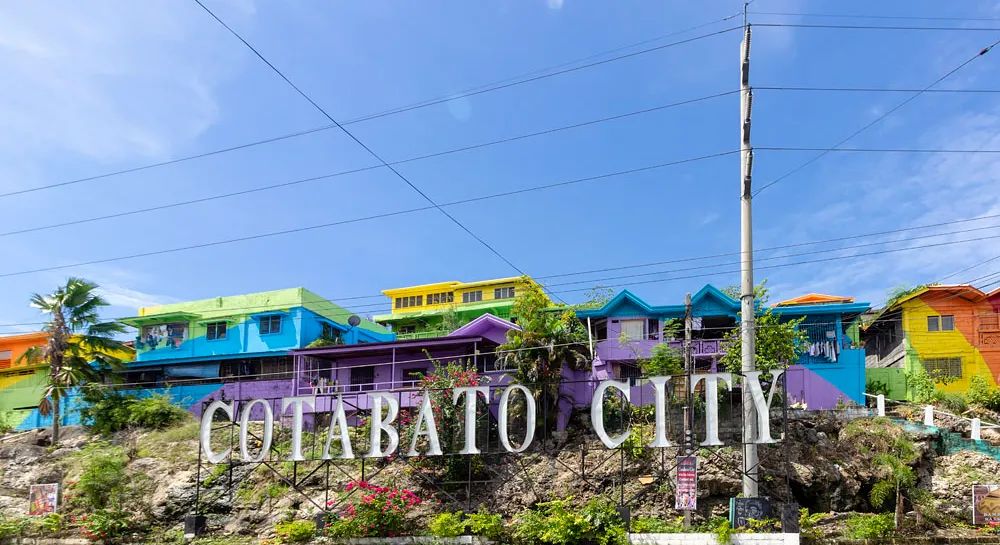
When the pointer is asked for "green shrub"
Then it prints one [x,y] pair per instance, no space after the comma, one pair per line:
[295,531]
[876,387]
[105,524]
[867,526]
[808,522]
[485,524]
[12,527]
[654,525]
[447,525]
[722,529]
[952,402]
[50,524]
[103,480]
[106,411]
[559,522]
[983,394]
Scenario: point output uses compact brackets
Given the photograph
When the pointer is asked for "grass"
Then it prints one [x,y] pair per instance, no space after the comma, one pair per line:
[172,444]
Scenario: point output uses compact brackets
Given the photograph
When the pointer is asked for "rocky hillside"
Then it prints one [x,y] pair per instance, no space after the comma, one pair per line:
[825,465]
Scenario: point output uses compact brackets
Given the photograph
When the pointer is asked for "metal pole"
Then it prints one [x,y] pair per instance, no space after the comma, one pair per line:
[747,329]
[688,370]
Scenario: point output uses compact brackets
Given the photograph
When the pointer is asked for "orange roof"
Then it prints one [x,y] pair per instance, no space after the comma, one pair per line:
[815,299]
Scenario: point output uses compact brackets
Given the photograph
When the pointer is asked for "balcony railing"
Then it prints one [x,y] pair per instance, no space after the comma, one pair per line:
[701,347]
[422,335]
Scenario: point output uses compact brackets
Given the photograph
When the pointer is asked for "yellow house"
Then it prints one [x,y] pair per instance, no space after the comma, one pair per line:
[940,329]
[431,310]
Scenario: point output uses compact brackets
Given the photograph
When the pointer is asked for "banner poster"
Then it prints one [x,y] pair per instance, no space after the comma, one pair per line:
[43,498]
[985,503]
[687,483]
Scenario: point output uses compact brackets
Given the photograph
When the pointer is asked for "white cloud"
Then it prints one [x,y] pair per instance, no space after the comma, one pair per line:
[925,190]
[105,80]
[555,4]
[126,297]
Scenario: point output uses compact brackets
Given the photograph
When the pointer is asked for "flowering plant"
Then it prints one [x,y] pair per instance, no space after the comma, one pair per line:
[103,524]
[991,528]
[379,512]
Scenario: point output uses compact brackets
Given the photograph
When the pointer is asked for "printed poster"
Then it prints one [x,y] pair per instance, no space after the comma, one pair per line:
[43,498]
[687,483]
[985,503]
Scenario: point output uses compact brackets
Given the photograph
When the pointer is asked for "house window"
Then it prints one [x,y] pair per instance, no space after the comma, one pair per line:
[652,329]
[270,324]
[943,367]
[503,293]
[633,330]
[440,298]
[411,301]
[215,331]
[406,329]
[329,332]
[472,296]
[941,323]
[361,377]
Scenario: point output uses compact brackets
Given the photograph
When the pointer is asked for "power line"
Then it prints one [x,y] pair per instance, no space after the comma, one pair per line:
[371,167]
[872,89]
[885,27]
[502,84]
[370,151]
[875,121]
[371,217]
[782,247]
[861,16]
[878,150]
[334,300]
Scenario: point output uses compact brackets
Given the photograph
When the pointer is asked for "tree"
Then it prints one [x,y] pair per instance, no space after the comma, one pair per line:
[80,348]
[892,455]
[546,341]
[778,342]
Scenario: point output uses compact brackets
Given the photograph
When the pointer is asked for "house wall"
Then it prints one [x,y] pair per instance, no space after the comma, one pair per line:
[962,342]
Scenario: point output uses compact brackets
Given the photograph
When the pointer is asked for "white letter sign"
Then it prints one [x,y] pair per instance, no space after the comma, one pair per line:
[597,412]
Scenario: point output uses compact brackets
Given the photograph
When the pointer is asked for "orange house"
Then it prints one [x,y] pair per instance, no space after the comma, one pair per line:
[952,331]
[12,347]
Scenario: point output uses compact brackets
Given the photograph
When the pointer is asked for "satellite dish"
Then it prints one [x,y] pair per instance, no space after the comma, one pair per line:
[354,320]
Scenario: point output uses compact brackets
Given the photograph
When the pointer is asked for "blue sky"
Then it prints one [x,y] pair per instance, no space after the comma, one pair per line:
[112,85]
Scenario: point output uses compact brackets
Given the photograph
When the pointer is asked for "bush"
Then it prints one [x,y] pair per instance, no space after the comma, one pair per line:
[983,394]
[295,531]
[560,523]
[106,411]
[103,480]
[447,525]
[808,522]
[653,525]
[12,527]
[867,526]
[380,513]
[485,524]
[954,403]
[105,524]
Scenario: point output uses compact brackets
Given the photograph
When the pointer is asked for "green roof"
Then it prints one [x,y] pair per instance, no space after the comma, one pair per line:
[459,309]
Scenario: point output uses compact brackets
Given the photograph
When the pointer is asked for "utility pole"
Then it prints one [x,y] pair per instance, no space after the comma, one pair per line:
[747,321]
[688,412]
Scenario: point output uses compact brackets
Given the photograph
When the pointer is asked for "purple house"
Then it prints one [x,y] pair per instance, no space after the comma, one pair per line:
[352,371]
[829,373]
[626,329]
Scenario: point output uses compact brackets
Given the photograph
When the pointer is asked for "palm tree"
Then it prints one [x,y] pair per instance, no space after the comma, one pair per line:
[546,341]
[80,348]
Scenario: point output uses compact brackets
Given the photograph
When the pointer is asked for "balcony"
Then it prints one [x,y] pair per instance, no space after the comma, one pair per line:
[612,349]
[422,335]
